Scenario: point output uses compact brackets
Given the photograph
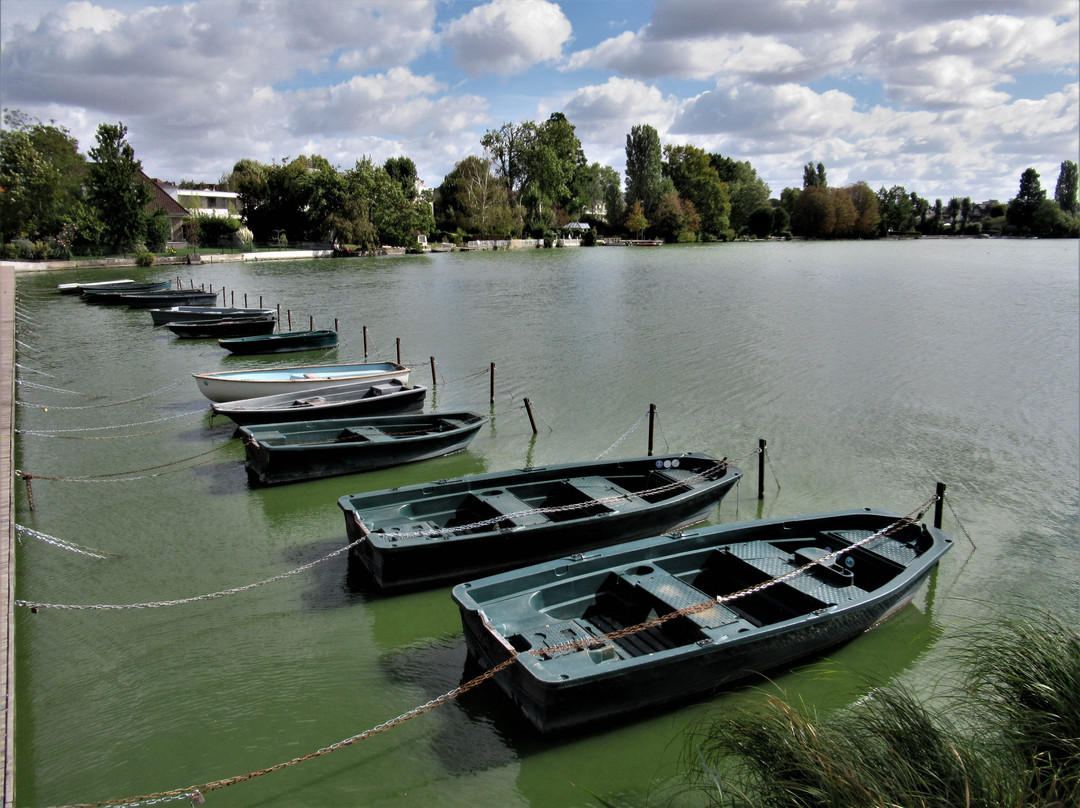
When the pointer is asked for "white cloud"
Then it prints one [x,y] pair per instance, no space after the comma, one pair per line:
[507,38]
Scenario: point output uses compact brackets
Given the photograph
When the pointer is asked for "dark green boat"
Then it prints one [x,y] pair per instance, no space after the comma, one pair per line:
[451,530]
[628,628]
[308,450]
[282,342]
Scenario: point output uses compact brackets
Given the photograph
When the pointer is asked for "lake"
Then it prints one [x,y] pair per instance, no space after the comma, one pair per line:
[873,370]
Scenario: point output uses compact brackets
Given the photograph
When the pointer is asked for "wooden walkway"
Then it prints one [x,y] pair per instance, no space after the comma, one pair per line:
[7,527]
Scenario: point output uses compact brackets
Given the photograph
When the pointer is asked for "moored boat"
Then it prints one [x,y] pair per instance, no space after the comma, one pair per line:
[282,342]
[355,399]
[177,297]
[309,450]
[77,287]
[225,327]
[171,314]
[232,385]
[647,623]
[114,292]
[451,530]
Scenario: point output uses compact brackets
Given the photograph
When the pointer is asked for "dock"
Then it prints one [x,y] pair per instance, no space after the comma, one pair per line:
[7,551]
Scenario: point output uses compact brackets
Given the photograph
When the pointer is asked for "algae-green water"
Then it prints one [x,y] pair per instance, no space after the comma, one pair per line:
[872,369]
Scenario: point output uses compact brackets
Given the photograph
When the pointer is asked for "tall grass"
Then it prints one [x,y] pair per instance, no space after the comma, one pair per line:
[1007,737]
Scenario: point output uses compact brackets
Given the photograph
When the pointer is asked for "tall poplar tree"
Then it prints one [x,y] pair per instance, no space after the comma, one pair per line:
[644,168]
[1065,193]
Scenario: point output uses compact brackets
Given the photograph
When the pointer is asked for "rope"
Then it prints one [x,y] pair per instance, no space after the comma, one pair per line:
[195,793]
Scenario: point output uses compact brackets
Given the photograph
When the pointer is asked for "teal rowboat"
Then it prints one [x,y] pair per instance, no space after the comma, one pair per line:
[308,450]
[452,530]
[630,628]
[355,400]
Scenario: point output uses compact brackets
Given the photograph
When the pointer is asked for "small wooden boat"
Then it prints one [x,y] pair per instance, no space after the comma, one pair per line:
[639,625]
[171,314]
[114,293]
[344,401]
[233,385]
[176,297]
[309,450]
[450,530]
[76,288]
[225,327]
[282,342]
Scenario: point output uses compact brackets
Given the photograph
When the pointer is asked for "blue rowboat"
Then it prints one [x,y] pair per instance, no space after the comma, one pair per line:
[282,342]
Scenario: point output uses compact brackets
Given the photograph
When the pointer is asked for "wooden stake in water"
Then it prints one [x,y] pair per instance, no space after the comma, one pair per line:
[761,469]
[492,401]
[528,409]
[939,504]
[652,424]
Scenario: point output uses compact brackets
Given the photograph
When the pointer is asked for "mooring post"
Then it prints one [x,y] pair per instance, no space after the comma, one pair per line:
[652,422]
[528,409]
[365,342]
[434,381]
[260,301]
[492,399]
[761,469]
[336,329]
[939,504]
[399,350]
[311,322]
[288,313]
[245,300]
[232,297]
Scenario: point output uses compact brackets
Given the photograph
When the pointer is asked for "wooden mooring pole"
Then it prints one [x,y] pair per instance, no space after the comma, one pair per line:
[939,504]
[434,381]
[528,409]
[365,342]
[399,350]
[761,469]
[492,399]
[652,424]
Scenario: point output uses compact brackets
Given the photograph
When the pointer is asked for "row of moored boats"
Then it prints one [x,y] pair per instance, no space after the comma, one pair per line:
[579,582]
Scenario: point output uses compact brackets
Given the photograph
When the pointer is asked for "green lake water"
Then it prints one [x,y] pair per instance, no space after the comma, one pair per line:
[872,369]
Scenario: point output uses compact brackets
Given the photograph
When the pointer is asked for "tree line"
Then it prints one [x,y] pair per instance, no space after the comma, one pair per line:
[531,181]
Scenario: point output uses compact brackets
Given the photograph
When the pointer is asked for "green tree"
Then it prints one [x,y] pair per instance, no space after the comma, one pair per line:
[644,168]
[1065,192]
[761,222]
[814,177]
[953,209]
[867,215]
[635,218]
[895,209]
[41,172]
[507,147]
[1021,211]
[747,191]
[403,171]
[116,189]
[965,213]
[938,214]
[696,180]
[813,215]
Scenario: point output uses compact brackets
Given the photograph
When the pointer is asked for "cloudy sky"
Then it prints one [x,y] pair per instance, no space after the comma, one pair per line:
[945,97]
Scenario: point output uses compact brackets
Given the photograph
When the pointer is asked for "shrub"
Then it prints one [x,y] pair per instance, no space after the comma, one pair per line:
[22,249]
[144,259]
[158,230]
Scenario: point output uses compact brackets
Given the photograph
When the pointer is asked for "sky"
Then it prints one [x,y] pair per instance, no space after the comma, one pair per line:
[943,97]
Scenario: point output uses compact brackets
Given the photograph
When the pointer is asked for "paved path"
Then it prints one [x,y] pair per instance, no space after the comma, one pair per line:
[7,528]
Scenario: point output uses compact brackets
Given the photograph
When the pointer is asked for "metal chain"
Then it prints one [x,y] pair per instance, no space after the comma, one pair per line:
[57,433]
[99,406]
[61,543]
[624,435]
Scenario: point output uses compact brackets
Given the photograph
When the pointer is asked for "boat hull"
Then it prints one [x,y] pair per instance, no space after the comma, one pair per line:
[417,536]
[76,287]
[619,669]
[344,401]
[215,329]
[284,342]
[311,450]
[235,385]
[174,314]
[150,300]
[115,294]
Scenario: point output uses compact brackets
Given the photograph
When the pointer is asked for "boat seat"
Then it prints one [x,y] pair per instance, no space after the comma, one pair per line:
[507,504]
[411,528]
[383,389]
[359,434]
[598,488]
[678,595]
